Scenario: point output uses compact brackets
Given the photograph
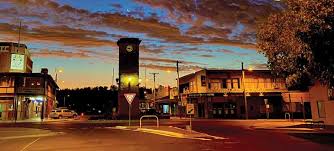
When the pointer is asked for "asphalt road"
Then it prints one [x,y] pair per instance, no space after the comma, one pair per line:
[100,136]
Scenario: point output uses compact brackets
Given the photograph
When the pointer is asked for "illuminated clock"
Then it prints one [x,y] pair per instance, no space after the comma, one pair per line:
[17,62]
[129,48]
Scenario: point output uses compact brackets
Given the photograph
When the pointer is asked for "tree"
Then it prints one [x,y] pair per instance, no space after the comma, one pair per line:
[299,41]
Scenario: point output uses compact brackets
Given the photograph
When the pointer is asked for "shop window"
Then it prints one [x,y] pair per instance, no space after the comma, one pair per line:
[165,108]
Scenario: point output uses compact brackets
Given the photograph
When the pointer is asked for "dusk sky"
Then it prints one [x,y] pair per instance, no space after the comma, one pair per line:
[80,36]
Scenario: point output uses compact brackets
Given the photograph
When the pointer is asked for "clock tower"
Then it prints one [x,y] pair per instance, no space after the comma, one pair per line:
[128,76]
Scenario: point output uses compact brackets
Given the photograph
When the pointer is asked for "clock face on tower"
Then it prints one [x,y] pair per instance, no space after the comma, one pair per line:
[17,62]
[129,48]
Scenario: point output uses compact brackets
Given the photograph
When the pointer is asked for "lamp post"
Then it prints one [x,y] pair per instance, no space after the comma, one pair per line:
[178,85]
[154,74]
[57,70]
[244,91]
[65,99]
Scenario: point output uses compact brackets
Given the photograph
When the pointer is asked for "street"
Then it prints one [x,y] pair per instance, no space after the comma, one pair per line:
[71,135]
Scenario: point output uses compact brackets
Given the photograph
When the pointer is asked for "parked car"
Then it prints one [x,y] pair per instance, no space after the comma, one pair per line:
[63,113]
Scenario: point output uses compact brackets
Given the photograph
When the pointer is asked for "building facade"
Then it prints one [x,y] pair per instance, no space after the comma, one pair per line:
[221,94]
[26,95]
[166,100]
[15,58]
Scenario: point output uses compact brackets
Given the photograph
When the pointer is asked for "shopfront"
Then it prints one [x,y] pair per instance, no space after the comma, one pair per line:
[26,95]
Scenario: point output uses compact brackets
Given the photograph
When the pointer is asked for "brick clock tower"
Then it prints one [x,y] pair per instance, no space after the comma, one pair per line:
[128,76]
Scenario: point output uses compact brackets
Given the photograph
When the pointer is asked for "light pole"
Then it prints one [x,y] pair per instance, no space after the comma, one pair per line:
[65,99]
[243,85]
[178,84]
[154,74]
[57,70]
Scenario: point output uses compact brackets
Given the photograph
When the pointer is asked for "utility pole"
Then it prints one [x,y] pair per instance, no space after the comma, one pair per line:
[145,79]
[178,83]
[18,43]
[112,82]
[243,85]
[154,86]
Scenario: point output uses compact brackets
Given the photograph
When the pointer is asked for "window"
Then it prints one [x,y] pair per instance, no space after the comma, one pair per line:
[214,85]
[33,82]
[229,83]
[191,86]
[203,80]
[235,83]
[165,108]
[224,83]
[6,81]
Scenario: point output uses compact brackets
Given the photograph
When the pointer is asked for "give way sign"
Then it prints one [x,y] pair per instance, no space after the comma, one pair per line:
[129,97]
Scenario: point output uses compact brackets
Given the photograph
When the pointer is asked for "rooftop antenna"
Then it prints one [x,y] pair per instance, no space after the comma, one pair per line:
[18,43]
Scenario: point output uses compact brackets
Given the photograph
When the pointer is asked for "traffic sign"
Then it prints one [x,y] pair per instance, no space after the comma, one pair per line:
[190,109]
[129,97]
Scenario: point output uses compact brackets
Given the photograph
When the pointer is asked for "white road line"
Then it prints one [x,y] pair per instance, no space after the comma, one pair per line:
[31,136]
[25,147]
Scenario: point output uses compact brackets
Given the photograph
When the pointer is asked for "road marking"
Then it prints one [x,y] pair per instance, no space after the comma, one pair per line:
[204,134]
[30,144]
[30,136]
[169,134]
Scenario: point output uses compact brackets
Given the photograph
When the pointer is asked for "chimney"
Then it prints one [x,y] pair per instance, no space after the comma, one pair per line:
[44,71]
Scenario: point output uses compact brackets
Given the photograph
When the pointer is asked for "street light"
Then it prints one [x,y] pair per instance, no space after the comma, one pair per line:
[154,74]
[65,99]
[58,70]
[244,91]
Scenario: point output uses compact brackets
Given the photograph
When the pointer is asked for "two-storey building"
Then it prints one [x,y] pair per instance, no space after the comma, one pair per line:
[221,94]
[26,95]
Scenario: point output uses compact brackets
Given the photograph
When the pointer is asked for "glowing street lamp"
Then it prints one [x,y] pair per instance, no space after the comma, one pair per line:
[58,70]
[243,85]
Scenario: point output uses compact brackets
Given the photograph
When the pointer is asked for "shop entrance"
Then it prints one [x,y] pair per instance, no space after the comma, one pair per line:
[225,110]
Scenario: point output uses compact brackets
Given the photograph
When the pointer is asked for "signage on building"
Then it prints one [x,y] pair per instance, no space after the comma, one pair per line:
[25,90]
[200,94]
[190,109]
[129,97]
[17,62]
[4,48]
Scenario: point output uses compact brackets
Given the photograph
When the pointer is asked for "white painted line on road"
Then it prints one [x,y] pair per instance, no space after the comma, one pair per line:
[169,134]
[25,147]
[30,136]
[206,135]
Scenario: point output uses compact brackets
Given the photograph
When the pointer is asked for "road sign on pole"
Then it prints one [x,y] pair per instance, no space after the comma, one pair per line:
[190,109]
[129,97]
